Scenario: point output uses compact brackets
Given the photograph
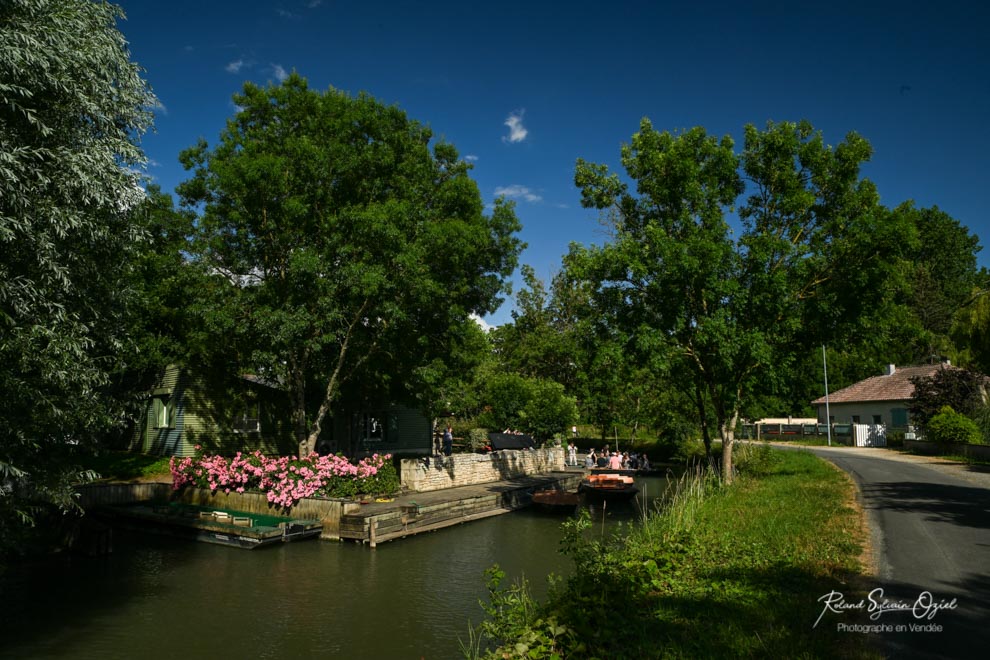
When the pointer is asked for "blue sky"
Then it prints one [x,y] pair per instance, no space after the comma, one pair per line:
[525,89]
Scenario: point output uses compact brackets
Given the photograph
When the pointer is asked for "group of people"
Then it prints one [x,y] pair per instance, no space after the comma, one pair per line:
[614,460]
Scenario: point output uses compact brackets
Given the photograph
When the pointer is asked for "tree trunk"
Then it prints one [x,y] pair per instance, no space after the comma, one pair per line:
[727,430]
[335,379]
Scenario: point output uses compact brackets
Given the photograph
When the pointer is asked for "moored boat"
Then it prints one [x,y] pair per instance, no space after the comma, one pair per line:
[556,500]
[609,484]
[238,529]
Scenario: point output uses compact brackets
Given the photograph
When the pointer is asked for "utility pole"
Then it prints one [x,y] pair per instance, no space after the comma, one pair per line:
[828,417]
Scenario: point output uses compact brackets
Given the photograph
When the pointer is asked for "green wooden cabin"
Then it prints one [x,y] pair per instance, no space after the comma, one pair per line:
[225,415]
[222,415]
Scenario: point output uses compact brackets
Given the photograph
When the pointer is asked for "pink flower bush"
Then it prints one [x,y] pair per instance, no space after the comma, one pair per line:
[287,479]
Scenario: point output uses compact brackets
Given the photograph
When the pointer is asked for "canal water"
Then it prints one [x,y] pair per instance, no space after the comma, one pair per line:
[156,597]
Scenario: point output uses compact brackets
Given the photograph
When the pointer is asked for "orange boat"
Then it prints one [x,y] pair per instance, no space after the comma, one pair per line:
[555,500]
[609,485]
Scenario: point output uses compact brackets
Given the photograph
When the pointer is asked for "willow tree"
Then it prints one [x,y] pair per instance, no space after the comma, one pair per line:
[735,307]
[350,247]
[72,106]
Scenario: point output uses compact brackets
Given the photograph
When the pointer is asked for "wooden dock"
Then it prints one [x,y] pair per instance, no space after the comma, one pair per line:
[414,513]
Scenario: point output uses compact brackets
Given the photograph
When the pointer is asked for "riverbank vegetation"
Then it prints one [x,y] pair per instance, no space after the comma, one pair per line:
[354,270]
[718,572]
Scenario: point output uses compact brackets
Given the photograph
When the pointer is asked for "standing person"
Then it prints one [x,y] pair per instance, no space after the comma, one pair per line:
[448,440]
[602,460]
[572,454]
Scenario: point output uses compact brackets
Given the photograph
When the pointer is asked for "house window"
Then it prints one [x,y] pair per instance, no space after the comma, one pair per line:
[372,429]
[855,419]
[248,420]
[163,409]
[877,419]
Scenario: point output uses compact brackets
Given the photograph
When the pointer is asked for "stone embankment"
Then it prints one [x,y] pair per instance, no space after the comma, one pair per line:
[437,492]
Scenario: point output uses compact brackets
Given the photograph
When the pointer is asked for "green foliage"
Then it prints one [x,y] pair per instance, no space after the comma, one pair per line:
[549,410]
[128,465]
[345,248]
[732,310]
[960,389]
[757,459]
[72,106]
[746,556]
[537,406]
[384,482]
[971,330]
[950,426]
[477,439]
[940,270]
[514,628]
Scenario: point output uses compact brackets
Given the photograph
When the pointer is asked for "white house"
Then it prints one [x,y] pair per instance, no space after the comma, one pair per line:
[878,400]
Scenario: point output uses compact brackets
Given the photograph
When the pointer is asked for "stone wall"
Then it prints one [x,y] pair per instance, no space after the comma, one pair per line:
[437,473]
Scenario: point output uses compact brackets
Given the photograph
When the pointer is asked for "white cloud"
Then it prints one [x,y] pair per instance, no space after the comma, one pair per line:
[279,72]
[471,157]
[518,192]
[234,66]
[517,132]
[484,324]
[284,13]
[313,4]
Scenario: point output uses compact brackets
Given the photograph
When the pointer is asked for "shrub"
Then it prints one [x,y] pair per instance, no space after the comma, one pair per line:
[950,426]
[477,439]
[287,479]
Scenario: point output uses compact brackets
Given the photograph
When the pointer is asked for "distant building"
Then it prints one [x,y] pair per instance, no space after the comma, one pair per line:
[881,399]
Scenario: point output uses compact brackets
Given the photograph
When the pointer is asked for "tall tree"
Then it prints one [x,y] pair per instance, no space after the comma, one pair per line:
[735,311]
[941,272]
[72,106]
[348,245]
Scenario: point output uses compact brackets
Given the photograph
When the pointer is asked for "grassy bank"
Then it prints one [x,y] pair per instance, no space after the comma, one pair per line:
[721,572]
[126,466]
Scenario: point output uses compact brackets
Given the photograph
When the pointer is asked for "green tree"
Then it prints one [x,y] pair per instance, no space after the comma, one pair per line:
[72,106]
[971,329]
[537,406]
[736,311]
[549,411]
[941,273]
[350,249]
[962,390]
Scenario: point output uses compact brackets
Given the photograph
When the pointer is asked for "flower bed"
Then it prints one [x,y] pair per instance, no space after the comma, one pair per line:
[287,479]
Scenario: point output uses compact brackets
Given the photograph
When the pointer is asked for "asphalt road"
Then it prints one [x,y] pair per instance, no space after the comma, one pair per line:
[930,523]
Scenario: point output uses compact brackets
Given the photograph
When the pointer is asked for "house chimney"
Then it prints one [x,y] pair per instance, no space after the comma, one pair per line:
[889,371]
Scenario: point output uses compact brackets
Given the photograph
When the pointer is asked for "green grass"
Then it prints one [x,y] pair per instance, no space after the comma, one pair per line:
[723,571]
[126,466]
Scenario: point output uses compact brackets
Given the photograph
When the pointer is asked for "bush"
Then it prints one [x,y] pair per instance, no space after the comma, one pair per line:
[287,479]
[950,426]
[477,439]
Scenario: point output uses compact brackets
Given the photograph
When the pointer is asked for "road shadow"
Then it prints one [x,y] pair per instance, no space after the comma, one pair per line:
[959,505]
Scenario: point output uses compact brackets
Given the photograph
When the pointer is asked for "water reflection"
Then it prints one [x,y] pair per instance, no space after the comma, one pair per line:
[156,597]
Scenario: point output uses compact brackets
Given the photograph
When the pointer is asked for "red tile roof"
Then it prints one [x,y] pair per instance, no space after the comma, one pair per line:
[896,387]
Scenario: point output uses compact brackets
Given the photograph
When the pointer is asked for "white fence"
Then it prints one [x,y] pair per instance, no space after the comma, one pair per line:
[869,435]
